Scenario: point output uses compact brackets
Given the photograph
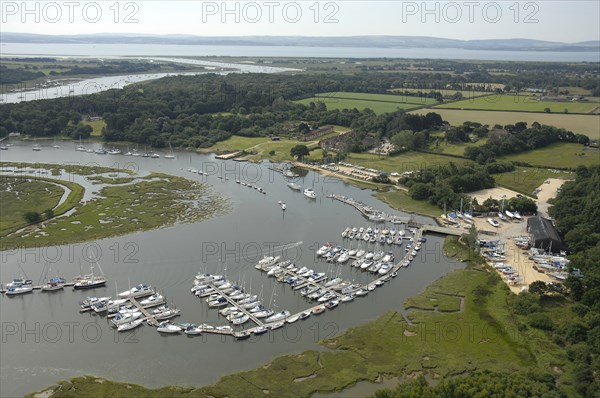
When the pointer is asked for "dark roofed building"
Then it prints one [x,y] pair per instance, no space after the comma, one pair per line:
[544,235]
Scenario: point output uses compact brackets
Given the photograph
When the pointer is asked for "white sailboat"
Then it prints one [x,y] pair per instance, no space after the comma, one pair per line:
[170,155]
[80,147]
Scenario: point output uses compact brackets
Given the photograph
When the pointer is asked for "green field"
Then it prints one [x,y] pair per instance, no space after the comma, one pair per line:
[379,103]
[377,107]
[581,124]
[260,147]
[97,125]
[404,99]
[454,149]
[520,103]
[575,90]
[400,200]
[408,161]
[527,179]
[558,155]
[443,91]
[19,196]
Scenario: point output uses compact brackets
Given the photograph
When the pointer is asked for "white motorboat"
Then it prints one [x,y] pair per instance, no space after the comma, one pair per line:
[333,282]
[278,316]
[388,258]
[125,317]
[344,257]
[113,305]
[140,290]
[166,327]
[155,299]
[241,320]
[13,291]
[167,314]
[351,289]
[324,249]
[360,253]
[326,297]
[263,314]
[54,284]
[276,325]
[361,293]
[292,319]
[294,186]
[318,309]
[260,330]
[129,325]
[332,304]
[193,330]
[493,222]
[310,193]
[385,268]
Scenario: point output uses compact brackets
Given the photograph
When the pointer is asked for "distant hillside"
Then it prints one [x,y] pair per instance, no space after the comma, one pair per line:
[345,41]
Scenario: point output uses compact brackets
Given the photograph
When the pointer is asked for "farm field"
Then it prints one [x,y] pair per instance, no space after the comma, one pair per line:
[527,179]
[581,124]
[520,103]
[443,91]
[558,155]
[401,200]
[408,161]
[264,145]
[446,148]
[377,107]
[379,103]
[377,97]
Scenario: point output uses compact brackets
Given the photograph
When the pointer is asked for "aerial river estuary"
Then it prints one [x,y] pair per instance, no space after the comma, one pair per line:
[46,339]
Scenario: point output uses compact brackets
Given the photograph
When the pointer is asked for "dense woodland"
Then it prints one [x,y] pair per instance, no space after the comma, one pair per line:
[478,385]
[186,110]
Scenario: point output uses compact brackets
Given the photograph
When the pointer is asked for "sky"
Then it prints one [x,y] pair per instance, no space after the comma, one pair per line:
[564,21]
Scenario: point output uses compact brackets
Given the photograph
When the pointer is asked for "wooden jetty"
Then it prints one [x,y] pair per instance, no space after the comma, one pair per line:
[147,316]
[306,282]
[442,230]
[368,211]
[235,304]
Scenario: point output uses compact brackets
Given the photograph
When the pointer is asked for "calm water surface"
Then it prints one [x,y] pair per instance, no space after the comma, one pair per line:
[45,338]
[290,51]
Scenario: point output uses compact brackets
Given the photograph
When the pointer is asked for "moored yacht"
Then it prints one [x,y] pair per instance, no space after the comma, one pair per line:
[310,193]
[140,290]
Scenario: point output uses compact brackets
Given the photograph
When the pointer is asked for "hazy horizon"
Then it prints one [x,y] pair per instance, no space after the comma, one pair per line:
[146,34]
[556,21]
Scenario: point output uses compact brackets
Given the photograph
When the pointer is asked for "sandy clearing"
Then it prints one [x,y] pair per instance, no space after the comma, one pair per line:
[548,190]
[497,193]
